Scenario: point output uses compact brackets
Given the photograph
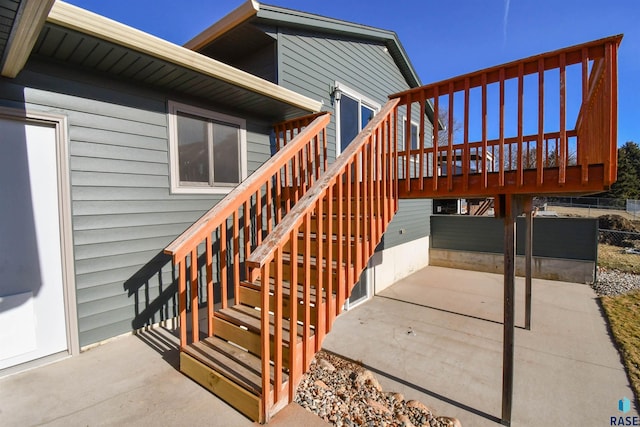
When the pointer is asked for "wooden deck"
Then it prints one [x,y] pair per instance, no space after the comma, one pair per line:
[308,229]
[473,185]
[561,157]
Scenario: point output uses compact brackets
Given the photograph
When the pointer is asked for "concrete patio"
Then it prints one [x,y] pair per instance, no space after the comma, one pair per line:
[435,336]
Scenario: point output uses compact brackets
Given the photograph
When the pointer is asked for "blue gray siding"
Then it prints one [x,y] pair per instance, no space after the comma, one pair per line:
[123,212]
[310,63]
[565,238]
[8,13]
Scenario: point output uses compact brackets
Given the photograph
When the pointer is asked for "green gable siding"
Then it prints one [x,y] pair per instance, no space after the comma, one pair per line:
[310,64]
[123,214]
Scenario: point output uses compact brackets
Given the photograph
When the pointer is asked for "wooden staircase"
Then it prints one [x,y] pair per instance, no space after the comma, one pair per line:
[263,275]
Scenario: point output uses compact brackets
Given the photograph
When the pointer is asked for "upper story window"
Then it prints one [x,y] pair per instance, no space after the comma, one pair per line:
[353,112]
[207,150]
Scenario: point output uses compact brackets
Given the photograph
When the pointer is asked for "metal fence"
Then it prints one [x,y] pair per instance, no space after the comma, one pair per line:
[623,239]
[619,250]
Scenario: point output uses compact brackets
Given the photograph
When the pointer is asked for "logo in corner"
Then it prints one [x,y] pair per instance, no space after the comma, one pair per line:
[624,405]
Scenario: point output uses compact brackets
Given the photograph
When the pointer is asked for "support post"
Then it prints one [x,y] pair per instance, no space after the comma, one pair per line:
[528,255]
[510,210]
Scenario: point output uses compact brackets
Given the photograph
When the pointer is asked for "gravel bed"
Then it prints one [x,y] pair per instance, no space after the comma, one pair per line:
[614,282]
[343,393]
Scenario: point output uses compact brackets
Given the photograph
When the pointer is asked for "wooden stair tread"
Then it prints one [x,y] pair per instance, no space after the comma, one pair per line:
[234,363]
[286,288]
[242,315]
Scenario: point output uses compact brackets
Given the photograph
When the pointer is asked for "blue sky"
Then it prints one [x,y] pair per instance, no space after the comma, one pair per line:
[443,38]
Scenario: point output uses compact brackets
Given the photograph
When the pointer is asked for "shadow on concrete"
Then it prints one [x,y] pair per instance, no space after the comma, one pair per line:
[445,310]
[165,342]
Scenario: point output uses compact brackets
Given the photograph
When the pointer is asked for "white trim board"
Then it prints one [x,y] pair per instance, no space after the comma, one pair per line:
[65,224]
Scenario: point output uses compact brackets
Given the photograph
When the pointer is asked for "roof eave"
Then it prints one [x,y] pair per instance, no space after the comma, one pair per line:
[83,21]
[241,14]
[25,31]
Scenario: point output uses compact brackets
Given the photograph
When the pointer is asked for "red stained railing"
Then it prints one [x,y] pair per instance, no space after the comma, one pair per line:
[323,245]
[465,167]
[226,235]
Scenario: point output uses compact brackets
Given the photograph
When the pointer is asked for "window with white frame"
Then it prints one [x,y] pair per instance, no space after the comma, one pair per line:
[353,112]
[207,150]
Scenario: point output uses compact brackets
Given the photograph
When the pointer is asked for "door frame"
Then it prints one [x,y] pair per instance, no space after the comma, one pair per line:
[59,122]
[338,90]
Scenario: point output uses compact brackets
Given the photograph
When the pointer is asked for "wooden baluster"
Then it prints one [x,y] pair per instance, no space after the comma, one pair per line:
[358,212]
[210,294]
[583,154]
[193,268]
[423,101]
[520,168]
[407,145]
[450,153]
[259,216]
[302,161]
[223,263]
[466,156]
[340,238]
[268,206]
[182,301]
[501,146]
[320,317]
[236,257]
[277,322]
[385,170]
[344,233]
[484,132]
[370,196]
[396,175]
[306,296]
[310,174]
[562,173]
[278,186]
[364,205]
[324,148]
[294,368]
[539,159]
[265,339]
[611,167]
[377,158]
[316,148]
[391,170]
[295,168]
[247,234]
[436,112]
[331,308]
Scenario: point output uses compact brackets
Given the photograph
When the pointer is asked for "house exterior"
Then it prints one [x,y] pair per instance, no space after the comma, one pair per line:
[114,107]
[116,145]
[351,69]
[93,122]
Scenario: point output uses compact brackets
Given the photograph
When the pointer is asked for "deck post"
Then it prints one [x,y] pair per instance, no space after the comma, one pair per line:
[528,255]
[510,206]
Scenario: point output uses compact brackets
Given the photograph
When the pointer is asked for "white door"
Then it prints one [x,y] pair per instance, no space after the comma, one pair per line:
[32,311]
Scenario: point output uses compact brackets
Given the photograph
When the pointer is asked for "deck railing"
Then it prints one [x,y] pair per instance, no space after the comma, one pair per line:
[323,245]
[224,237]
[477,111]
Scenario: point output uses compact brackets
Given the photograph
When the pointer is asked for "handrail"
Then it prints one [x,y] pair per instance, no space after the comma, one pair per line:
[592,140]
[263,253]
[360,188]
[233,227]
[236,197]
